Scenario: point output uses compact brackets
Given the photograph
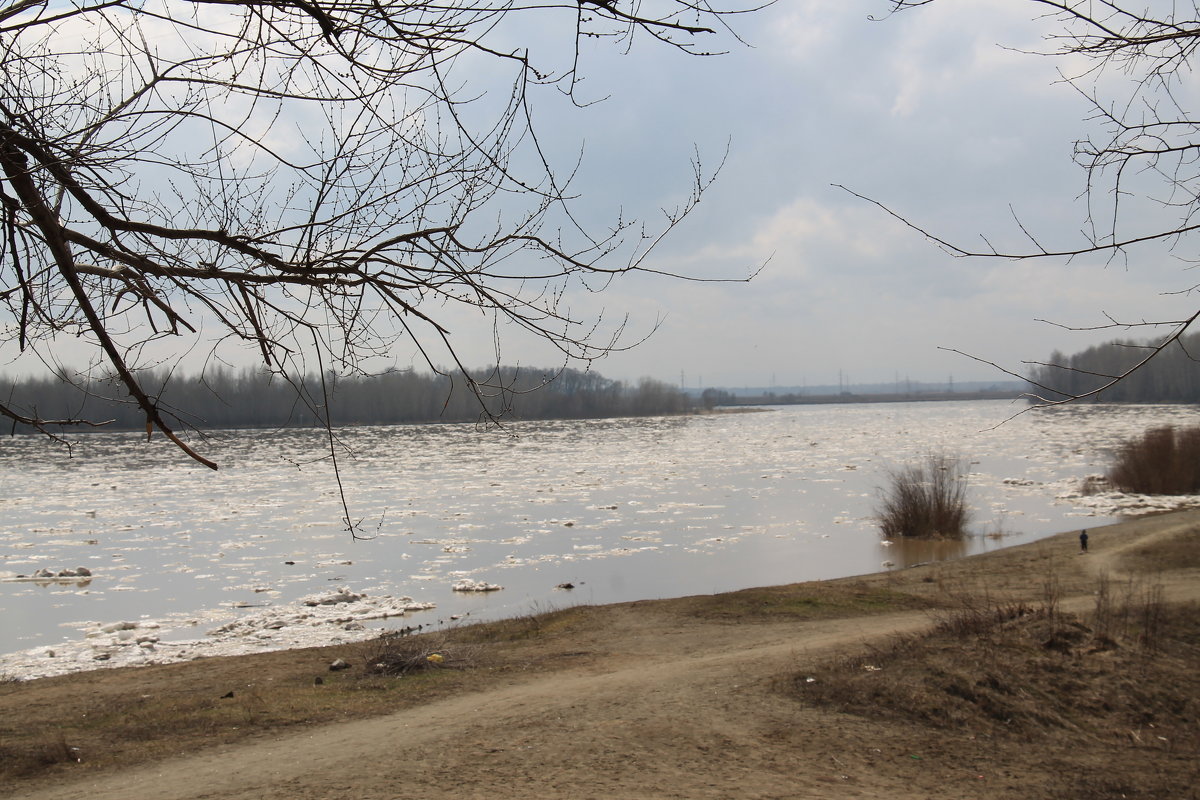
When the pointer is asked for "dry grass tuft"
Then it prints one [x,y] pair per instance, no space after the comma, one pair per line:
[538,623]
[397,655]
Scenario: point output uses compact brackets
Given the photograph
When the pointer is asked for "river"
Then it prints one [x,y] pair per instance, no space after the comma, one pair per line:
[182,558]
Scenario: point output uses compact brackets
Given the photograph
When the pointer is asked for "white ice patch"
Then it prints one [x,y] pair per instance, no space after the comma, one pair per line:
[322,619]
[469,585]
[1110,504]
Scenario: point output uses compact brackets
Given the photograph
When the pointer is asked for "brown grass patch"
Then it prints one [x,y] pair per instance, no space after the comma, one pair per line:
[537,624]
[96,719]
[798,601]
[1117,688]
[1016,667]
[1181,551]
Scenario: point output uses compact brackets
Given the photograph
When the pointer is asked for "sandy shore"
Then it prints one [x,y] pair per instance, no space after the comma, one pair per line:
[671,699]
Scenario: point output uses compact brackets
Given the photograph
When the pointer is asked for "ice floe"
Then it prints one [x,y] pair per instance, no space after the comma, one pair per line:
[1108,504]
[469,585]
[332,617]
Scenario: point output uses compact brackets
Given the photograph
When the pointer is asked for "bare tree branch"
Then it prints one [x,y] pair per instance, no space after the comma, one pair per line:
[307,176]
[1154,133]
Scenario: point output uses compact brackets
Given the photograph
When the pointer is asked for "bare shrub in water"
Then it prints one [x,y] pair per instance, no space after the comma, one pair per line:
[1161,461]
[927,500]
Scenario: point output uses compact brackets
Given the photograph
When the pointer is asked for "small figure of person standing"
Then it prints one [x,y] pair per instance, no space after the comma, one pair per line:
[1083,541]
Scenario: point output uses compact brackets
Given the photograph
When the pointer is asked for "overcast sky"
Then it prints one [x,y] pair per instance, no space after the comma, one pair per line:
[942,114]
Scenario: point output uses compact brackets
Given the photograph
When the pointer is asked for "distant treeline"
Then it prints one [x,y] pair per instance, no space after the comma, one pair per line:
[1172,376]
[226,398]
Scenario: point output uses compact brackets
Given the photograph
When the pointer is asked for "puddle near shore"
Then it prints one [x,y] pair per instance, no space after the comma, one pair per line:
[617,509]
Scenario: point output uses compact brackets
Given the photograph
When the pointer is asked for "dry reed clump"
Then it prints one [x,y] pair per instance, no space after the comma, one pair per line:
[926,500]
[1030,670]
[1162,460]
[398,655]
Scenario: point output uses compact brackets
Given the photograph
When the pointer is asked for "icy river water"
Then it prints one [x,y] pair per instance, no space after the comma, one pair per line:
[187,562]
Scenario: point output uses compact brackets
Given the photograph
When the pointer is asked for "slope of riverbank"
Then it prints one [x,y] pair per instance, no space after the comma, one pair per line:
[695,697]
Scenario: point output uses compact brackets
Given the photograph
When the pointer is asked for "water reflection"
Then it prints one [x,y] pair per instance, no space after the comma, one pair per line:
[908,552]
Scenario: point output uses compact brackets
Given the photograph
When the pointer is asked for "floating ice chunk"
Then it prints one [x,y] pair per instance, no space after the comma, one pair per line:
[332,598]
[469,585]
